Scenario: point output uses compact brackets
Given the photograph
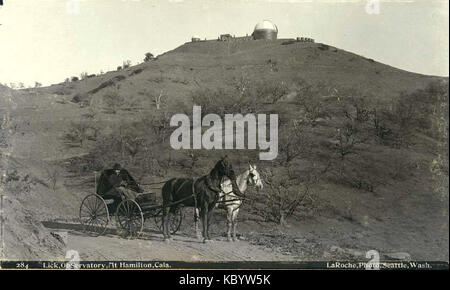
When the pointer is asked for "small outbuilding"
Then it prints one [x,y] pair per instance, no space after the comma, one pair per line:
[225,37]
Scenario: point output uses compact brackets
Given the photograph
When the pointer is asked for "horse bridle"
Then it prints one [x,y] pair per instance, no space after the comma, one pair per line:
[250,177]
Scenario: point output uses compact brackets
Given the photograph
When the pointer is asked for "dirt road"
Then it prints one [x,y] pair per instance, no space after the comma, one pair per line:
[151,246]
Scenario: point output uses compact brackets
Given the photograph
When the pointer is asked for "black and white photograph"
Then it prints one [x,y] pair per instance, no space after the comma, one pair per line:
[224,135]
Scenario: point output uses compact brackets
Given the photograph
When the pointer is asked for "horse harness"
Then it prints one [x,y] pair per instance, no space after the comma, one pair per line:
[194,195]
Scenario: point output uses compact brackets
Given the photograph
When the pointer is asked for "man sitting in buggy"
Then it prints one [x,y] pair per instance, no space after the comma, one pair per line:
[117,184]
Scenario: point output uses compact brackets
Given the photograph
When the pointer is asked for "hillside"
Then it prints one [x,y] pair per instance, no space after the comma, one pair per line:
[216,63]
[388,193]
[3,88]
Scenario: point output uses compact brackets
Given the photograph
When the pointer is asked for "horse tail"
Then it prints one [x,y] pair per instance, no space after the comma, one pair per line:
[167,191]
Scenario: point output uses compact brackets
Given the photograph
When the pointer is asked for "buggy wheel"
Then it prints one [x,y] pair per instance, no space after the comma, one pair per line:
[175,220]
[130,218]
[94,215]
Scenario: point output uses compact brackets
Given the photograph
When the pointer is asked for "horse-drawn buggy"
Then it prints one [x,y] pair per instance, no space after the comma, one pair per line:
[130,212]
[130,215]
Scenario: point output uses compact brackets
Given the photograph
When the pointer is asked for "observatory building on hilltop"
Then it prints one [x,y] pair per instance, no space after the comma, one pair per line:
[265,30]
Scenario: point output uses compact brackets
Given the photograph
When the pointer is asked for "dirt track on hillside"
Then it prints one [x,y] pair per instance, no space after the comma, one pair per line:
[150,246]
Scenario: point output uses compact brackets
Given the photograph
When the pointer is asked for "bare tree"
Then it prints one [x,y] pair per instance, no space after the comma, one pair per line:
[193,156]
[271,91]
[126,64]
[157,100]
[285,194]
[242,85]
[310,98]
[347,138]
[113,100]
[79,132]
[53,175]
[353,128]
[379,118]
[356,109]
[295,139]
[83,75]
[132,145]
[159,126]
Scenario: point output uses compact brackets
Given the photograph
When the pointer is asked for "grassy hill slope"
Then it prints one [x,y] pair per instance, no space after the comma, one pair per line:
[215,63]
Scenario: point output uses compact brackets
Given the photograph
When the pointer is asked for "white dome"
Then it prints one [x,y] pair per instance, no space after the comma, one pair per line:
[266,25]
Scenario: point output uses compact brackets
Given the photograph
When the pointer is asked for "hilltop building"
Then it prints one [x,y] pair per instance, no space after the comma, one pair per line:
[265,30]
[304,39]
[225,37]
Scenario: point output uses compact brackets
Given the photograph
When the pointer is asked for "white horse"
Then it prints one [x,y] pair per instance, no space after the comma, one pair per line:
[231,201]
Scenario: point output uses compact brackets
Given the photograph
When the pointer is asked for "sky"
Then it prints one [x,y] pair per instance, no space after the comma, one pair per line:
[50,40]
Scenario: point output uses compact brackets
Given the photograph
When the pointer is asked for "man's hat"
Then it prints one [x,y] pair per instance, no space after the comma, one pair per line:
[117,166]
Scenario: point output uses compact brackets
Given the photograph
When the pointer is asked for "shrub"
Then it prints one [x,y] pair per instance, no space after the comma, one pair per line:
[79,132]
[310,99]
[400,166]
[284,194]
[53,175]
[348,136]
[381,128]
[159,125]
[323,47]
[288,42]
[222,101]
[126,64]
[113,101]
[295,140]
[136,71]
[271,91]
[131,144]
[107,83]
[83,75]
[148,57]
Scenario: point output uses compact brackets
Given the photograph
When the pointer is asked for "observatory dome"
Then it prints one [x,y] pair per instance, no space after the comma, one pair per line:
[265,30]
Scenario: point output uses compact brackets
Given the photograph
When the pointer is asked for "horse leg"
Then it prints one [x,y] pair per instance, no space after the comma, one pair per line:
[204,215]
[229,222]
[209,215]
[196,218]
[234,221]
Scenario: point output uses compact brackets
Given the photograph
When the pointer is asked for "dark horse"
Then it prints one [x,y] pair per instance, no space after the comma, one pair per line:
[202,193]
